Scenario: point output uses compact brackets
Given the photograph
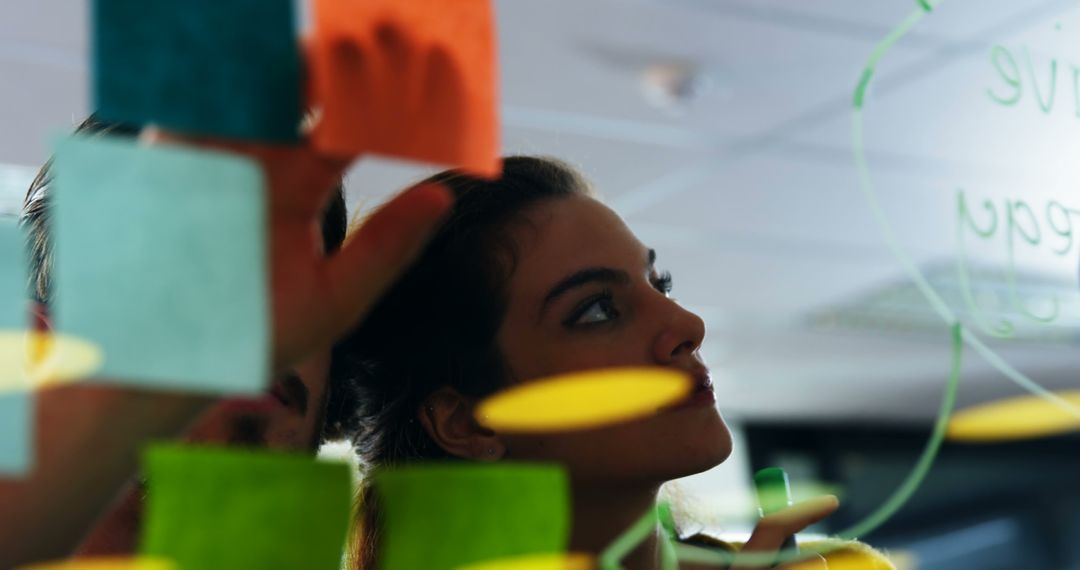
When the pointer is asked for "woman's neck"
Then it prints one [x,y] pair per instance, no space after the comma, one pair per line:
[601,514]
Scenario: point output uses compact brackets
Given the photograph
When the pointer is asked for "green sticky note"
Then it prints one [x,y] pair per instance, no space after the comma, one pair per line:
[229,69]
[160,261]
[223,508]
[440,517]
[16,433]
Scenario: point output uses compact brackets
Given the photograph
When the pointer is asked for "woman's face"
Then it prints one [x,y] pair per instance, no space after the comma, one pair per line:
[288,417]
[585,293]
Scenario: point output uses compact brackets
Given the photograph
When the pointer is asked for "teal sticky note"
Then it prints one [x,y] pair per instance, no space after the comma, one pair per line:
[160,261]
[442,516]
[212,507]
[230,69]
[16,433]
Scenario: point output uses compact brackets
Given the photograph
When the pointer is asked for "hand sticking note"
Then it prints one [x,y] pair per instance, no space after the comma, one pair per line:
[315,298]
[771,532]
[411,79]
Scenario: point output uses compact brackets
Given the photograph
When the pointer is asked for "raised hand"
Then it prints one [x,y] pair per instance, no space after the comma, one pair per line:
[771,532]
[316,298]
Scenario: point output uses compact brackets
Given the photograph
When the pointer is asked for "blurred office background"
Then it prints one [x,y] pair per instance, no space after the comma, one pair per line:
[722,131]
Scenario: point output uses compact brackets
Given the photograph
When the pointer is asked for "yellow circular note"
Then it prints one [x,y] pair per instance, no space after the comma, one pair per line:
[583,400]
[1023,417]
[537,562]
[32,360]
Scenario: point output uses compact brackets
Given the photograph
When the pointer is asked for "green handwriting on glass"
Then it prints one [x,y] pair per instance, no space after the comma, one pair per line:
[1022,77]
[1015,221]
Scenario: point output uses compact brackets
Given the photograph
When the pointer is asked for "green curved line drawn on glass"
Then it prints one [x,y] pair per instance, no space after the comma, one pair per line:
[625,543]
[639,531]
[870,195]
[933,445]
[891,505]
[611,557]
[881,48]
[1005,328]
[669,558]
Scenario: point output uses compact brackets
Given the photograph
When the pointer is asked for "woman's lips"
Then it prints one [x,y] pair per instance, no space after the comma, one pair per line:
[701,393]
[701,396]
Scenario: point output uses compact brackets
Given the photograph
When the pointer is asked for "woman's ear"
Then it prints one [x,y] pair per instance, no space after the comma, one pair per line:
[448,418]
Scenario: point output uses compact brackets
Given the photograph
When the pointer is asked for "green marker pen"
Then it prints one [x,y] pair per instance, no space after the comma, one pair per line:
[774,494]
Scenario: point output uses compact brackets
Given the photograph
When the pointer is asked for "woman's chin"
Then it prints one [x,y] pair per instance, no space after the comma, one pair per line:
[709,447]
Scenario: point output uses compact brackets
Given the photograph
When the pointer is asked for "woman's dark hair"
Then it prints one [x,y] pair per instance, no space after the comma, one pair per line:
[437,326]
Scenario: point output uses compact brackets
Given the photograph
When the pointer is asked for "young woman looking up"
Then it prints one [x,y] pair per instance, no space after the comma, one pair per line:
[529,277]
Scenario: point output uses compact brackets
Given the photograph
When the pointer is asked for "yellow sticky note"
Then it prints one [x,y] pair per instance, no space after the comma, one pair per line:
[583,400]
[106,563]
[30,360]
[1022,417]
[575,561]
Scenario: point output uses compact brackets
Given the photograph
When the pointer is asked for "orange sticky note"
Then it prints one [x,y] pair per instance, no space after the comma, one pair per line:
[412,79]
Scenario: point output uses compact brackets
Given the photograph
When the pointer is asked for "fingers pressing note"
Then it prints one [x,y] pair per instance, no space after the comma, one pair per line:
[771,532]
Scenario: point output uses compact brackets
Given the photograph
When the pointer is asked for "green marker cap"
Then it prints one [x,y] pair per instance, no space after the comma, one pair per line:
[773,490]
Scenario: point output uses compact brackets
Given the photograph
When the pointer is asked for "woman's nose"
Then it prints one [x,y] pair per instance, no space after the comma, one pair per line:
[682,333]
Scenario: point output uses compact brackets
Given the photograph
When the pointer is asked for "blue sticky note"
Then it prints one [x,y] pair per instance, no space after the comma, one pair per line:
[15,403]
[444,516]
[238,508]
[160,260]
[14,310]
[230,69]
[16,433]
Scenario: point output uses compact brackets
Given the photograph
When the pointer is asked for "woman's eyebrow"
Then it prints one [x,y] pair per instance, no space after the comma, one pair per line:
[584,277]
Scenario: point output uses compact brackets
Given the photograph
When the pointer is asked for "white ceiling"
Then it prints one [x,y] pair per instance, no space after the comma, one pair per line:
[749,190]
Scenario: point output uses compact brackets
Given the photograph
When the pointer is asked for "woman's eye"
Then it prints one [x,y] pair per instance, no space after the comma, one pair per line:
[598,311]
[662,283]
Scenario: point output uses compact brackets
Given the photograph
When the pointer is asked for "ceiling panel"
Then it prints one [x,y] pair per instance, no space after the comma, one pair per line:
[743,177]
